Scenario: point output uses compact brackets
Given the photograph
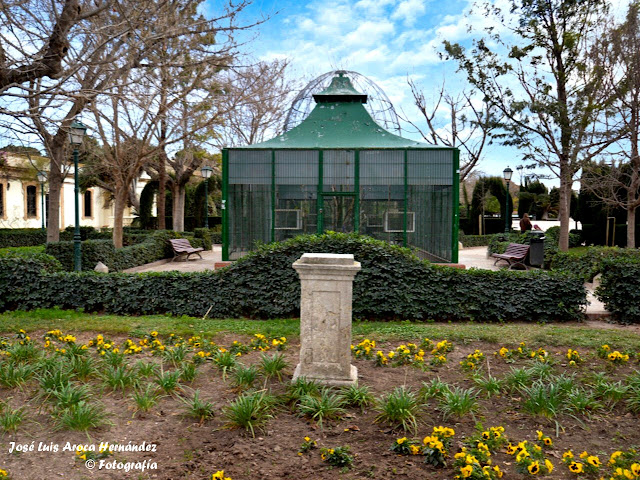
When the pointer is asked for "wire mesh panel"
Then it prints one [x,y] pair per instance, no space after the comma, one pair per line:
[430,197]
[382,194]
[338,167]
[248,200]
[296,183]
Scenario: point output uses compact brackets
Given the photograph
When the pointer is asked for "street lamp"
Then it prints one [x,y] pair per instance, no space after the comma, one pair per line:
[506,173]
[76,134]
[42,177]
[206,173]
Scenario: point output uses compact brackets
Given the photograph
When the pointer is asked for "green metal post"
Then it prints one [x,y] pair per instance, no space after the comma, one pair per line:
[206,203]
[42,201]
[405,237]
[507,214]
[225,215]
[273,195]
[320,199]
[77,244]
[356,181]
[456,206]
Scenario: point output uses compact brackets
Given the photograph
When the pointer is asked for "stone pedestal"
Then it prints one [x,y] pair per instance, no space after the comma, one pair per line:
[325,318]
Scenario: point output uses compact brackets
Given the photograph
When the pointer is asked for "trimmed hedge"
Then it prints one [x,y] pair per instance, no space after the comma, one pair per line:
[588,263]
[22,237]
[475,240]
[619,290]
[151,248]
[393,284]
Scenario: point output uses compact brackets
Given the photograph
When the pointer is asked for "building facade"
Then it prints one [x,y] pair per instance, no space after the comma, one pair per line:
[22,195]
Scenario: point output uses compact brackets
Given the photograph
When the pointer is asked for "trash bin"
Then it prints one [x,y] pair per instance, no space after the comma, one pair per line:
[536,251]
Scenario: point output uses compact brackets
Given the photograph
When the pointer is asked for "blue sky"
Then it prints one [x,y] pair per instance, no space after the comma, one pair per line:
[385,40]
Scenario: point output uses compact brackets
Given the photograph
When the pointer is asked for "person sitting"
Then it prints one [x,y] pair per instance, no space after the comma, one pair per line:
[525,223]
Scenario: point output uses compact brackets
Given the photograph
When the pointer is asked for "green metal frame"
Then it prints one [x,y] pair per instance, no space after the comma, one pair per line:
[356,193]
[225,215]
[456,206]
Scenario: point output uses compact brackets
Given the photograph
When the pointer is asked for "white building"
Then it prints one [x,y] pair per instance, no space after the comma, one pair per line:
[21,198]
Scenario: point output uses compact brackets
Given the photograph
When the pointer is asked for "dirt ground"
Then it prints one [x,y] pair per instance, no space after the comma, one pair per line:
[185,449]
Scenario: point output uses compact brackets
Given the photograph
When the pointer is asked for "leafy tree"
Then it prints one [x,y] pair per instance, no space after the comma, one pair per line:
[546,88]
[618,185]
[487,191]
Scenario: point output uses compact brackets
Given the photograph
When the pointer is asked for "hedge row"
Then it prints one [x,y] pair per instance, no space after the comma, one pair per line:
[475,240]
[588,263]
[148,249]
[29,237]
[393,284]
[619,290]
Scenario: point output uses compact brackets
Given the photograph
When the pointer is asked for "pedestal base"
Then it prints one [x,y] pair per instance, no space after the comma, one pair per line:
[330,381]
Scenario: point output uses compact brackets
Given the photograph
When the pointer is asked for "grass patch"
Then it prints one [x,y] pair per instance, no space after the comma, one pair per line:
[574,335]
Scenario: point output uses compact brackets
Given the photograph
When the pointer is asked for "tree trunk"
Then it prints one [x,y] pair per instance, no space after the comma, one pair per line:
[56,183]
[563,214]
[161,197]
[120,203]
[179,194]
[631,227]
[55,189]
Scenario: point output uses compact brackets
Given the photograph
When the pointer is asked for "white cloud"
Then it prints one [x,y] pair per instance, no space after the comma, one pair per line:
[374,7]
[368,33]
[409,11]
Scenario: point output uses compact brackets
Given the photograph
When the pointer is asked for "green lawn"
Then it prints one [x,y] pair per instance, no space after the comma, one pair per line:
[22,250]
[574,335]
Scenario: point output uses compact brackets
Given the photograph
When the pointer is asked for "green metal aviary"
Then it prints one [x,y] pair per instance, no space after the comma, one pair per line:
[340,171]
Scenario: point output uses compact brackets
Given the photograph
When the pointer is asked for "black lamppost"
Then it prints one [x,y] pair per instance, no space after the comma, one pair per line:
[76,134]
[507,172]
[42,177]
[206,173]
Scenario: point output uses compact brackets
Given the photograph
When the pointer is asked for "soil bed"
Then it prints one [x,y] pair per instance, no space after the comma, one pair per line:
[186,449]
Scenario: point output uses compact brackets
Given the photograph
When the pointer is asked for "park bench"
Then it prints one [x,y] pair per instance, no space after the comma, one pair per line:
[181,246]
[514,255]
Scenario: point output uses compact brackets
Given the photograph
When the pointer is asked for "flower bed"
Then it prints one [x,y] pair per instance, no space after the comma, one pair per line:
[226,408]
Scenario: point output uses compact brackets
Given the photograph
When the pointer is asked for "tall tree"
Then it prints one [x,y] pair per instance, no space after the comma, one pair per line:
[264,89]
[119,40]
[544,85]
[618,185]
[467,123]
[35,37]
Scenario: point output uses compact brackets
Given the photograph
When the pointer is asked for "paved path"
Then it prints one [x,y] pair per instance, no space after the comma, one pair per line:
[194,264]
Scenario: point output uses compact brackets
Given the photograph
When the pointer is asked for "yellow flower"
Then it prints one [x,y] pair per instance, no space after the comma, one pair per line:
[307,439]
[549,466]
[415,450]
[635,469]
[534,468]
[155,334]
[584,454]
[400,441]
[593,460]
[567,454]
[466,471]
[576,467]
[547,441]
[498,471]
[614,456]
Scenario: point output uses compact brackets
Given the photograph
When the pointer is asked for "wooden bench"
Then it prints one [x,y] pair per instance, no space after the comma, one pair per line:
[515,254]
[181,246]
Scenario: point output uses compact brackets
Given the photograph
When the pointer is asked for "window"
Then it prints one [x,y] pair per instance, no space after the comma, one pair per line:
[32,201]
[88,204]
[1,200]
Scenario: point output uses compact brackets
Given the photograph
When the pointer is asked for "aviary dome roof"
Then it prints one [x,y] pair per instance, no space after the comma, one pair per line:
[339,121]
